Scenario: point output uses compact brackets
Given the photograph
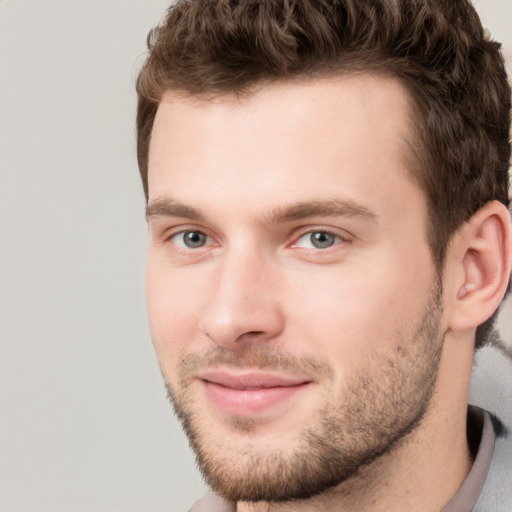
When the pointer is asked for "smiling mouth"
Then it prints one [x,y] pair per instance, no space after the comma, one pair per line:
[249,394]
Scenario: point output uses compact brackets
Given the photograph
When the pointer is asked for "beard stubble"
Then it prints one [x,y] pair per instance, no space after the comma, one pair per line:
[360,423]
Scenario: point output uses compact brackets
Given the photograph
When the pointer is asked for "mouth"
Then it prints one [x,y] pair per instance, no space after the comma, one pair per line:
[247,394]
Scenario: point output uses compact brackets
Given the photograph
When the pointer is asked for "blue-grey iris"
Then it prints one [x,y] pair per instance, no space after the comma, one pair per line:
[322,240]
[194,239]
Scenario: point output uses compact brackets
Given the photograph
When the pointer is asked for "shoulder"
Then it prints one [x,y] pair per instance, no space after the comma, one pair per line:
[491,381]
[491,389]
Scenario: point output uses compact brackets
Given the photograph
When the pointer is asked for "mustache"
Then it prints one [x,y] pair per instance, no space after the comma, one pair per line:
[253,357]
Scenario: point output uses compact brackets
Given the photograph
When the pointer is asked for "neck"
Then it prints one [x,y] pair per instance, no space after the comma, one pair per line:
[421,473]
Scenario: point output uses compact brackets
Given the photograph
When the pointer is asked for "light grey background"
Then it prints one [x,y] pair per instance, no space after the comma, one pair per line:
[84,421]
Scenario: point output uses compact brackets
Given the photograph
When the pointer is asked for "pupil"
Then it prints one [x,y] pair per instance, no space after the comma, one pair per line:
[193,239]
[322,240]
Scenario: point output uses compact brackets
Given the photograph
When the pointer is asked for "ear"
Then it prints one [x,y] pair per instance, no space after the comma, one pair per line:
[480,259]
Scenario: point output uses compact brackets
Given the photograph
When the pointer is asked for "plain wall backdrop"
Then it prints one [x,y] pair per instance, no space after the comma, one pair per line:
[84,421]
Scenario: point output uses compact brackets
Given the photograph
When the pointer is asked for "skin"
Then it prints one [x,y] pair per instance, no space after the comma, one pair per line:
[235,170]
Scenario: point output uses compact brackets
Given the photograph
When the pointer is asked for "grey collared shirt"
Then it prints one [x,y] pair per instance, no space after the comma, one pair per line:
[468,494]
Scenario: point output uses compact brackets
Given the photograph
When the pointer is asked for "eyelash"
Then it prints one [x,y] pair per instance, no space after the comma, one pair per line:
[337,239]
[183,232]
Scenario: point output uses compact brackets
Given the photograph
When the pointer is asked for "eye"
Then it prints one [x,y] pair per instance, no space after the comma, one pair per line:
[318,240]
[190,239]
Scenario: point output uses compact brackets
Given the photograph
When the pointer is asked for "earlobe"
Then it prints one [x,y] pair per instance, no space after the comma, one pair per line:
[483,253]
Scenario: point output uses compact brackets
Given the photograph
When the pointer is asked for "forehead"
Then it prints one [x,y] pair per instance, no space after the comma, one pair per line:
[299,137]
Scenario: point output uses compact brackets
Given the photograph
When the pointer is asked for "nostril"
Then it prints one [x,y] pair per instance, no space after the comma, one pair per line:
[250,335]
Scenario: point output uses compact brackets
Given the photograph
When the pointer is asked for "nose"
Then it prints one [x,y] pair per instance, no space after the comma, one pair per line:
[243,306]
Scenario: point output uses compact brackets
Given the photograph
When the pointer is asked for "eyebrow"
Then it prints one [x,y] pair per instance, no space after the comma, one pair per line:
[168,207]
[322,208]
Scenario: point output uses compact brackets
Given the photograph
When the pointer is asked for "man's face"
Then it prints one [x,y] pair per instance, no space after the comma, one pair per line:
[292,299]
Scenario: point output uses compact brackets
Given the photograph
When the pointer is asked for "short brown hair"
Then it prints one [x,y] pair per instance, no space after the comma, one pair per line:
[438,49]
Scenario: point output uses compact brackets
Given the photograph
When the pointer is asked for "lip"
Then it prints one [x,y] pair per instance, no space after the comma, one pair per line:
[246,394]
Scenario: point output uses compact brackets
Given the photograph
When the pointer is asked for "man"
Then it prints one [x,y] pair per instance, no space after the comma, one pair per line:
[327,187]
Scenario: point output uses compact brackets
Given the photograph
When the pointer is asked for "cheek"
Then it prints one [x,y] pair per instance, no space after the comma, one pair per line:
[346,323]
[173,313]
[350,315]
